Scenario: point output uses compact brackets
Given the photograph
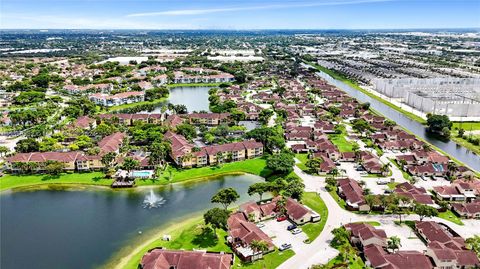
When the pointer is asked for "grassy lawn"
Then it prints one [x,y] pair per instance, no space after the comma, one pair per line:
[354,262]
[405,174]
[14,181]
[252,166]
[314,202]
[340,141]
[392,185]
[192,234]
[337,198]
[467,126]
[153,102]
[450,216]
[353,84]
[303,157]
[373,223]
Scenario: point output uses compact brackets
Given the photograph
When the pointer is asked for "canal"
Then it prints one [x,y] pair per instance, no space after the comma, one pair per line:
[458,152]
[83,229]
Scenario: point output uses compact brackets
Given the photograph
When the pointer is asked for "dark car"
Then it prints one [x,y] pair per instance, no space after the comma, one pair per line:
[291,227]
[285,247]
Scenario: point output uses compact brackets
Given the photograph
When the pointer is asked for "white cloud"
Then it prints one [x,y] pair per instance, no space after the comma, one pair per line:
[187,12]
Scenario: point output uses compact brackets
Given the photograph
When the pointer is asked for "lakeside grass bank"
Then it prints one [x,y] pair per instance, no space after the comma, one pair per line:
[251,166]
[188,234]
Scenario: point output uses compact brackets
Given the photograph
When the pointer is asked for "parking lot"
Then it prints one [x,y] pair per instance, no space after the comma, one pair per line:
[279,234]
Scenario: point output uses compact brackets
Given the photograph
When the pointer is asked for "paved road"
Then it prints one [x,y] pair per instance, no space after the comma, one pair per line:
[320,252]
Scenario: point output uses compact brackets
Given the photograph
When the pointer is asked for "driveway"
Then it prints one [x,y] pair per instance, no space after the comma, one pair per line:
[408,238]
[279,234]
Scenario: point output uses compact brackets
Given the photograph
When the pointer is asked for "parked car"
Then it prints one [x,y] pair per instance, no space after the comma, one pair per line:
[296,231]
[260,225]
[424,178]
[291,227]
[285,247]
[281,218]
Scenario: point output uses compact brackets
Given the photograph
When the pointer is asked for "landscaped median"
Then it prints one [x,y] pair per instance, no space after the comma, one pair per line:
[314,202]
[252,166]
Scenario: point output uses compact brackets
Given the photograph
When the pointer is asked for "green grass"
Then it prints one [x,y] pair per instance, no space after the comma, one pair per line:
[373,223]
[192,234]
[392,185]
[314,202]
[251,166]
[124,106]
[405,174]
[354,262]
[342,144]
[467,126]
[450,216]
[339,200]
[15,181]
[303,157]
[344,79]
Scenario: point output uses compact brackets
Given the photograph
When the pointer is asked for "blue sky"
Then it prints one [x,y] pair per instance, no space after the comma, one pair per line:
[238,14]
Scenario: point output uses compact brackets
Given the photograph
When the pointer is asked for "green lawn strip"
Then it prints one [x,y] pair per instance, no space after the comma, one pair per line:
[124,106]
[314,202]
[450,216]
[269,261]
[405,174]
[15,181]
[464,143]
[303,158]
[344,79]
[342,144]
[467,126]
[392,185]
[373,223]
[192,234]
[251,166]
[193,85]
[337,198]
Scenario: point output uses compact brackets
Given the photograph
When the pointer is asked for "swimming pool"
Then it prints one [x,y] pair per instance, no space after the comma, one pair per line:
[142,174]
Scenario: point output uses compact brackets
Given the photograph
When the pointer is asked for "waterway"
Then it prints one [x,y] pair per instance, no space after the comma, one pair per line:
[458,152]
[83,229]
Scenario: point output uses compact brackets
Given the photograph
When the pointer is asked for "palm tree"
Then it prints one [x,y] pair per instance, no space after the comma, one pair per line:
[219,156]
[334,172]
[452,167]
[385,168]
[394,243]
[258,247]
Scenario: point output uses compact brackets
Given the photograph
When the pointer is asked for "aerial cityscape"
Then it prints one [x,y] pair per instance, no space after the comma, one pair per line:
[240,134]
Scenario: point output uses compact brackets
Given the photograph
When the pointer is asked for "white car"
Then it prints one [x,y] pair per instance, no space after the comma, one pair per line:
[260,225]
[296,231]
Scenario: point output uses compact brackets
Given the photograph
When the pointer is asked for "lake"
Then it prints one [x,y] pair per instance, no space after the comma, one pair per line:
[195,98]
[83,229]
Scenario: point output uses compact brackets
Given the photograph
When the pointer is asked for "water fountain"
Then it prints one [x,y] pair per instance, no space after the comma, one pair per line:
[152,200]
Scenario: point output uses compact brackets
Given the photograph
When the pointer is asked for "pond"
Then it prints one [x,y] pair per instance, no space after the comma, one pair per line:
[195,98]
[83,229]
[458,152]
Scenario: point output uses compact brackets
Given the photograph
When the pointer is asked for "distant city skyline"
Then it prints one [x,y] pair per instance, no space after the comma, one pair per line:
[238,15]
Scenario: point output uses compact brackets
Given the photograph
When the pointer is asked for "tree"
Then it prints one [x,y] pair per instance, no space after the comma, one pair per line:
[473,243]
[334,172]
[394,243]
[281,163]
[187,130]
[27,145]
[439,124]
[281,206]
[264,116]
[180,109]
[159,151]
[108,159]
[461,132]
[4,150]
[294,189]
[225,197]
[258,246]
[130,164]
[258,188]
[361,126]
[54,167]
[216,218]
[425,211]
[314,164]
[270,137]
